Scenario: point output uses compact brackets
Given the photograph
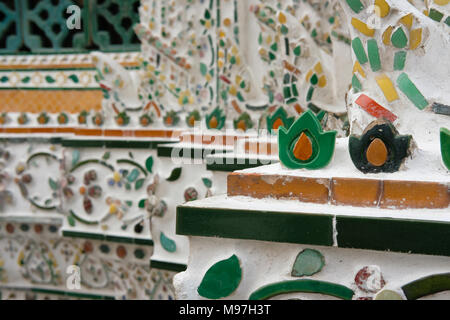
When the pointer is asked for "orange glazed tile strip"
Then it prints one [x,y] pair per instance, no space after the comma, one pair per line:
[356,192]
[51,101]
[262,186]
[403,194]
[342,191]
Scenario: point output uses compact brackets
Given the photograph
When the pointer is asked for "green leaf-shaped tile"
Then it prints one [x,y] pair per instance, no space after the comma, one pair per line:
[222,279]
[279,115]
[53,184]
[139,184]
[168,244]
[175,175]
[323,143]
[307,263]
[149,164]
[445,146]
[133,175]
[207,182]
[75,157]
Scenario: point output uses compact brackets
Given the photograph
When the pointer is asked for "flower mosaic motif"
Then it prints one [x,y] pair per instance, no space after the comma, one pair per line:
[305,144]
[380,148]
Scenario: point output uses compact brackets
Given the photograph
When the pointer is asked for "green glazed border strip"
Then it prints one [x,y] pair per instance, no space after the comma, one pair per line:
[167,266]
[72,294]
[304,285]
[236,165]
[64,53]
[52,140]
[102,237]
[382,234]
[58,69]
[118,144]
[427,286]
[195,153]
[255,225]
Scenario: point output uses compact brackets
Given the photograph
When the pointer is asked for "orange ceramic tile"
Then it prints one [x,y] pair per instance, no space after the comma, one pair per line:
[406,194]
[355,192]
[279,187]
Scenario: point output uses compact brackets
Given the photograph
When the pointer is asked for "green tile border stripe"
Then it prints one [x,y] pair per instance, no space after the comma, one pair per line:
[304,285]
[102,237]
[73,294]
[87,52]
[31,138]
[118,144]
[367,233]
[255,225]
[44,69]
[167,266]
[194,152]
[397,235]
[235,164]
[427,286]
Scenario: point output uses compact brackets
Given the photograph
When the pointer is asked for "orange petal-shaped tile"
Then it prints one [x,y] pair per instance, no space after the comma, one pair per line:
[303,148]
[377,153]
[213,123]
[278,123]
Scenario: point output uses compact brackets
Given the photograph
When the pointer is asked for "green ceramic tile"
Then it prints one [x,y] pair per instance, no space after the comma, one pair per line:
[399,60]
[221,279]
[360,53]
[399,38]
[445,146]
[410,90]
[308,263]
[356,84]
[435,15]
[355,5]
[383,234]
[427,286]
[255,225]
[374,55]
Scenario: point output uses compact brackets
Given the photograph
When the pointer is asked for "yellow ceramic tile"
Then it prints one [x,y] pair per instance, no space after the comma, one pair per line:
[387,35]
[318,68]
[442,2]
[362,27]
[322,81]
[387,87]
[415,38]
[357,68]
[407,20]
[384,8]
